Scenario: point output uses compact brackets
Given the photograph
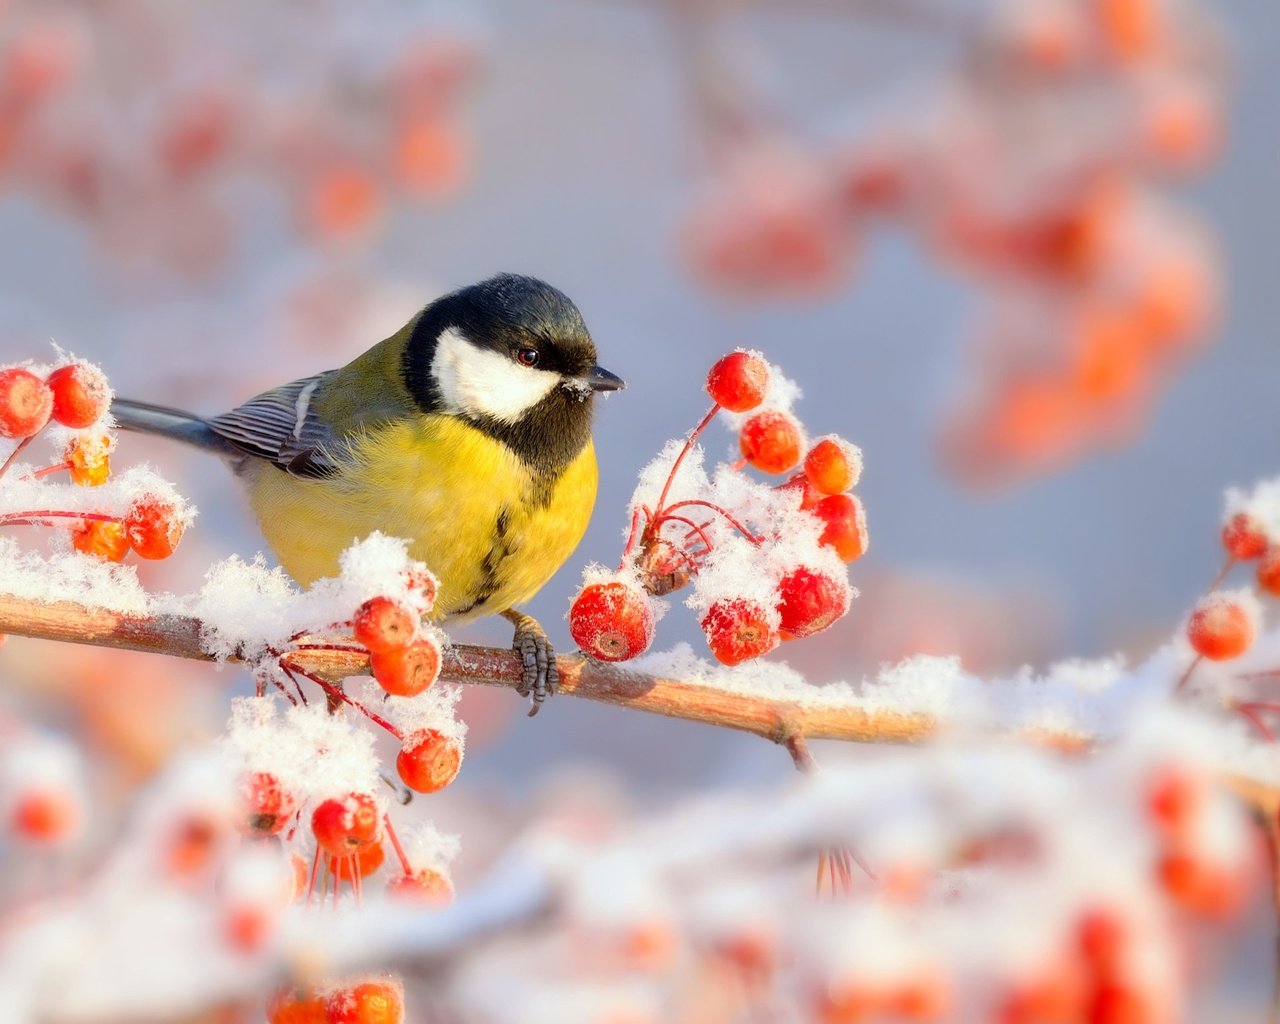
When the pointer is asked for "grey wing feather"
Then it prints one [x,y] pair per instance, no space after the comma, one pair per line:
[280,426]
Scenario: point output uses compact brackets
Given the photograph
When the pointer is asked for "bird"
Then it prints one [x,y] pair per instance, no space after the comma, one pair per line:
[468,432]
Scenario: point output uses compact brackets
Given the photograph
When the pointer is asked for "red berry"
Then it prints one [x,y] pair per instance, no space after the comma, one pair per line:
[1243,537]
[289,1006]
[834,465]
[421,579]
[372,1002]
[154,526]
[809,495]
[844,527]
[1174,798]
[428,761]
[1200,886]
[383,625]
[424,886]
[771,441]
[108,541]
[810,602]
[265,805]
[26,403]
[369,860]
[611,621]
[738,630]
[343,825]
[1269,572]
[1103,938]
[80,394]
[1220,628]
[406,672]
[739,381]
[43,815]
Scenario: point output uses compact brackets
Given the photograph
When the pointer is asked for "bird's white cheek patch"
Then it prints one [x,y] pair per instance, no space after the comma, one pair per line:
[481,382]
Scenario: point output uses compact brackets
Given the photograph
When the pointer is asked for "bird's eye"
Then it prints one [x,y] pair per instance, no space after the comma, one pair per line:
[528,357]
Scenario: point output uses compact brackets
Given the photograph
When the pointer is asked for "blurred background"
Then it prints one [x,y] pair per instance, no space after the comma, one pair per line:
[1024,263]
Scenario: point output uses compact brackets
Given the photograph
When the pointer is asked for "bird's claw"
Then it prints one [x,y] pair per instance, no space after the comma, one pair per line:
[538,658]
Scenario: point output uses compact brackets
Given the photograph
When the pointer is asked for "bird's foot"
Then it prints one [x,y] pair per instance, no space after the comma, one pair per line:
[538,657]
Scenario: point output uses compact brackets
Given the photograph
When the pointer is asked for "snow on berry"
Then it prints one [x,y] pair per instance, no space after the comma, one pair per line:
[738,629]
[81,394]
[739,381]
[428,761]
[1243,537]
[612,620]
[1223,625]
[1252,517]
[772,441]
[833,465]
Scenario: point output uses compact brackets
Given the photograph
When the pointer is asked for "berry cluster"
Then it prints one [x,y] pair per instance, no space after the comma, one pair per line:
[1034,169]
[767,562]
[376,1001]
[76,396]
[341,146]
[1224,624]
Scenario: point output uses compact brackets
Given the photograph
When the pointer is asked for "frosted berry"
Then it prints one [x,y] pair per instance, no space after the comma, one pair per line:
[343,825]
[154,526]
[371,1002]
[809,602]
[771,441]
[1220,629]
[369,860]
[382,625]
[26,403]
[611,621]
[88,457]
[428,761]
[107,541]
[1269,572]
[80,394]
[738,630]
[407,671]
[739,381]
[265,805]
[844,525]
[432,888]
[1243,537]
[834,465]
[290,1006]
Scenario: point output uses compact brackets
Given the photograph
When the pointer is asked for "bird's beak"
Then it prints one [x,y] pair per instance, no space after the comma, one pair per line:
[600,379]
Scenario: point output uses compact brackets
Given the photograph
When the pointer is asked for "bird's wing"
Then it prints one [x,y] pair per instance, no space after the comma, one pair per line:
[281,426]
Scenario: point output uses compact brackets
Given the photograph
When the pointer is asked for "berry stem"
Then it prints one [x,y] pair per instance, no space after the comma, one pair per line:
[13,455]
[37,517]
[395,845]
[1187,674]
[698,502]
[634,535]
[336,693]
[1251,709]
[688,447]
[1222,573]
[40,474]
[694,528]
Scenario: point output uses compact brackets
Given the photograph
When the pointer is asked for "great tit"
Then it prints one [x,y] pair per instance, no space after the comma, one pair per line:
[468,432]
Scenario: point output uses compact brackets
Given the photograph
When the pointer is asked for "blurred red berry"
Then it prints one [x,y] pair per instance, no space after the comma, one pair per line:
[1220,629]
[809,602]
[1243,537]
[1174,797]
[26,403]
[611,621]
[739,381]
[1199,885]
[771,441]
[343,825]
[289,1006]
[406,672]
[43,815]
[833,465]
[428,761]
[80,394]
[383,625]
[154,526]
[371,1002]
[265,805]
[844,527]
[426,886]
[738,630]
[1269,572]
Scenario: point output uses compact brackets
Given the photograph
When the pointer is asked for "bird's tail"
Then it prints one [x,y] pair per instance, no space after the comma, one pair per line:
[171,423]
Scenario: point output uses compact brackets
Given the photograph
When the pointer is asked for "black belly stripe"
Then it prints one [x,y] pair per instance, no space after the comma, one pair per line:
[500,550]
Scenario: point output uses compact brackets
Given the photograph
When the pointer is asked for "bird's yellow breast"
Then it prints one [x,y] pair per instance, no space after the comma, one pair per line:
[491,529]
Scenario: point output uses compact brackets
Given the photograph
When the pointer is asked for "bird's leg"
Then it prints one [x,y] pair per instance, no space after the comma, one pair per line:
[534,647]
